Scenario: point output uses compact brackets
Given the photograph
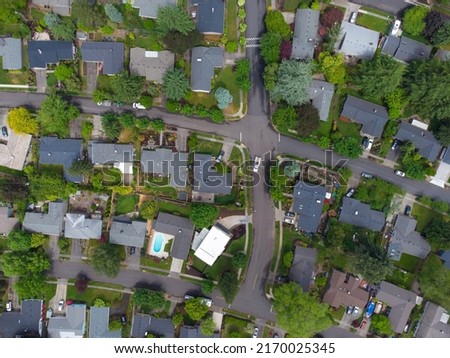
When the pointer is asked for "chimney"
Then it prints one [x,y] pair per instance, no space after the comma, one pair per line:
[356,212]
[374,110]
[322,88]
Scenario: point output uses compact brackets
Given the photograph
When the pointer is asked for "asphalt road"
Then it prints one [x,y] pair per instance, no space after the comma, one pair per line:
[391,6]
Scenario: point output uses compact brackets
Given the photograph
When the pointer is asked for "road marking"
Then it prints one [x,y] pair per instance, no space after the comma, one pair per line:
[254,282]
[252,45]
[240,137]
[253,38]
[279,137]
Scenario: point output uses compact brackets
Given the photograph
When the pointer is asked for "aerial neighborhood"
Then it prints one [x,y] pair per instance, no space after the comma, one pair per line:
[224,169]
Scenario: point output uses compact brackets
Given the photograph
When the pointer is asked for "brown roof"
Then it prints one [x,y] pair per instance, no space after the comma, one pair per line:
[344,290]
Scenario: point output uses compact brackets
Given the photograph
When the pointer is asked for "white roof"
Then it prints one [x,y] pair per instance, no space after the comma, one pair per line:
[212,246]
[419,124]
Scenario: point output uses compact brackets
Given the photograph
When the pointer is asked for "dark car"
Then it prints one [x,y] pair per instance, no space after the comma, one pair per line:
[123,319]
[289,214]
[132,250]
[407,210]
[394,144]
[284,279]
[366,175]
[4,131]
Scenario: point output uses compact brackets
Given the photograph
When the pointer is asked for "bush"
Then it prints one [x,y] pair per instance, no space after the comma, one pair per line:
[231,46]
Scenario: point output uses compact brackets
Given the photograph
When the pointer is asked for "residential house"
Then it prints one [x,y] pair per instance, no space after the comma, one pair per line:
[203,62]
[26,323]
[44,53]
[180,229]
[373,117]
[321,95]
[401,303]
[442,175]
[194,332]
[434,322]
[359,214]
[209,247]
[148,8]
[357,41]
[308,204]
[345,290]
[210,15]
[405,49]
[99,324]
[207,179]
[63,152]
[442,55]
[77,226]
[151,64]
[445,257]
[7,221]
[60,7]
[50,223]
[405,239]
[72,325]
[11,53]
[424,141]
[302,269]
[127,233]
[305,34]
[107,55]
[118,155]
[165,162]
[145,324]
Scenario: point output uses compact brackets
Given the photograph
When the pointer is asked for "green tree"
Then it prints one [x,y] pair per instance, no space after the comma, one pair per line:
[414,20]
[127,88]
[277,194]
[443,133]
[19,240]
[23,263]
[111,125]
[207,286]
[287,259]
[115,324]
[177,319]
[12,11]
[38,239]
[381,325]
[20,120]
[49,186]
[434,20]
[30,286]
[373,269]
[64,30]
[127,120]
[55,114]
[275,23]
[207,326]
[434,280]
[64,244]
[437,233]
[51,20]
[348,146]
[270,76]
[293,82]
[298,312]
[81,167]
[106,260]
[196,308]
[270,47]
[98,302]
[173,18]
[157,125]
[243,74]
[308,119]
[203,215]
[63,71]
[442,35]
[231,46]
[88,14]
[229,285]
[101,95]
[285,118]
[332,67]
[223,97]
[113,14]
[149,299]
[292,169]
[175,84]
[413,164]
[146,101]
[179,43]
[396,101]
[239,260]
[149,209]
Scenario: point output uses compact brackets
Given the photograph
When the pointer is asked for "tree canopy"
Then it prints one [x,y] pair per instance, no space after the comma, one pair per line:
[396,101]
[381,325]
[111,125]
[175,84]
[19,240]
[434,281]
[373,269]
[441,35]
[270,44]
[48,185]
[223,97]
[275,23]
[203,215]
[196,308]
[414,19]
[434,20]
[331,17]
[239,260]
[179,43]
[270,76]
[443,133]
[106,260]
[437,233]
[13,189]
[113,14]
[207,326]
[229,285]
[127,88]
[20,120]
[88,14]
[332,67]
[55,114]
[243,74]
[348,146]
[30,286]
[148,299]
[23,263]
[173,18]
[63,72]
[308,119]
[285,118]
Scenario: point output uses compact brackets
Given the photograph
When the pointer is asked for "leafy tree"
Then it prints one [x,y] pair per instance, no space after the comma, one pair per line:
[149,209]
[414,20]
[207,286]
[332,37]
[434,20]
[381,325]
[12,11]
[231,46]
[443,133]
[23,263]
[63,244]
[55,114]
[292,169]
[373,269]
[49,186]
[127,88]
[30,286]
[111,125]
[287,259]
[380,76]
[146,101]
[434,280]
[243,74]
[275,23]
[223,97]
[38,239]
[20,120]
[239,260]
[207,326]
[196,308]
[80,167]
[115,324]
[293,80]
[308,119]
[113,14]
[149,299]
[98,302]
[269,48]
[106,260]
[216,115]
[331,17]
[442,35]
[173,18]
[396,101]
[175,84]
[51,19]
[19,240]
[298,312]
[157,125]
[64,30]
[63,72]
[437,233]
[229,285]
[88,14]
[203,215]
[100,95]
[348,146]
[413,164]
[270,76]
[285,50]
[179,43]
[127,119]
[177,319]
[277,194]
[332,67]
[81,283]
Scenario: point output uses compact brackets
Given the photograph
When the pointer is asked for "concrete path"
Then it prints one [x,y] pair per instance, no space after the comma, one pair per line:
[234,220]
[227,148]
[176,266]
[41,80]
[181,142]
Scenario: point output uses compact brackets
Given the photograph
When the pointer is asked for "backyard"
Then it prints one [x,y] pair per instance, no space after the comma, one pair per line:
[373,23]
[214,272]
[174,208]
[423,215]
[234,327]
[401,278]
[110,297]
[407,263]
[126,204]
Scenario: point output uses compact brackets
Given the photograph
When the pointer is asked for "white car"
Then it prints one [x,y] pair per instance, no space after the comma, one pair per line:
[369,144]
[353,17]
[9,306]
[60,305]
[255,332]
[104,103]
[138,106]
[395,27]
[206,301]
[257,164]
[399,173]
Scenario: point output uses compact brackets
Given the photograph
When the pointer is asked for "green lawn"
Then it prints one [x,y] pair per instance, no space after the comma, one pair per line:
[206,99]
[423,216]
[232,29]
[104,82]
[289,237]
[227,79]
[235,156]
[110,297]
[230,199]
[234,327]
[373,23]
[407,262]
[376,11]
[49,292]
[149,42]
[337,314]
[208,147]
[174,208]
[401,278]
[16,77]
[163,264]
[126,204]
[236,245]
[349,129]
[222,264]
[159,188]
[377,193]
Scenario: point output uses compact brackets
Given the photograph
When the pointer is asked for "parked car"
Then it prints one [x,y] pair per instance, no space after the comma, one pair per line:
[138,106]
[365,142]
[288,220]
[206,301]
[220,156]
[105,103]
[257,164]
[407,210]
[353,17]
[369,144]
[60,305]
[399,173]
[378,307]
[4,131]
[289,214]
[350,193]
[283,279]
[350,309]
[394,144]
[123,319]
[367,175]
[9,306]
[355,310]
[395,27]
[370,309]
[255,332]
[132,250]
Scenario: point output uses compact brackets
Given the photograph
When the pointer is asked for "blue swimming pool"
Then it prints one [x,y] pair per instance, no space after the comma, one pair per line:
[158,242]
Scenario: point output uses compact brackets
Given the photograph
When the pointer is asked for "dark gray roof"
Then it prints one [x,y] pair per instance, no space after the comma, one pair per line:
[357,41]
[11,53]
[308,204]
[337,332]
[401,302]
[150,8]
[109,53]
[203,62]
[359,214]
[71,326]
[61,7]
[48,224]
[42,53]
[128,234]
[61,152]
[207,180]
[302,269]
[424,141]
[434,322]
[321,94]
[7,221]
[405,49]
[23,323]
[151,64]
[442,55]
[445,256]
[210,15]
[99,324]
[372,116]
[195,332]
[305,34]
[164,161]
[108,153]
[160,327]
[182,229]
[77,226]
[446,157]
[406,240]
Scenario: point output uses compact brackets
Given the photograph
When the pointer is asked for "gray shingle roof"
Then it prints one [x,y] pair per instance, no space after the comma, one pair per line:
[357,41]
[372,116]
[424,141]
[25,322]
[302,269]
[445,256]
[149,8]
[151,64]
[42,53]
[406,240]
[210,16]
[50,223]
[359,214]
[61,152]
[164,161]
[181,228]
[405,49]
[128,234]
[108,153]
[7,221]
[71,326]
[203,62]
[308,203]
[305,33]
[434,322]
[109,53]
[207,180]
[77,226]
[61,7]
[160,327]
[321,94]
[446,157]
[401,302]
[194,332]
[99,324]
[11,53]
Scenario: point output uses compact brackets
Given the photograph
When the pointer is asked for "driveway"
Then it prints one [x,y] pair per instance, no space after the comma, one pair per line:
[91,76]
[133,261]
[61,293]
[75,128]
[75,251]
[41,80]
[394,7]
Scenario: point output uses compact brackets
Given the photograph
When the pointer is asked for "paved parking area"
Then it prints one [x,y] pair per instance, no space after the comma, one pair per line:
[61,292]
[391,6]
[75,128]
[133,261]
[97,131]
[91,76]
[41,80]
